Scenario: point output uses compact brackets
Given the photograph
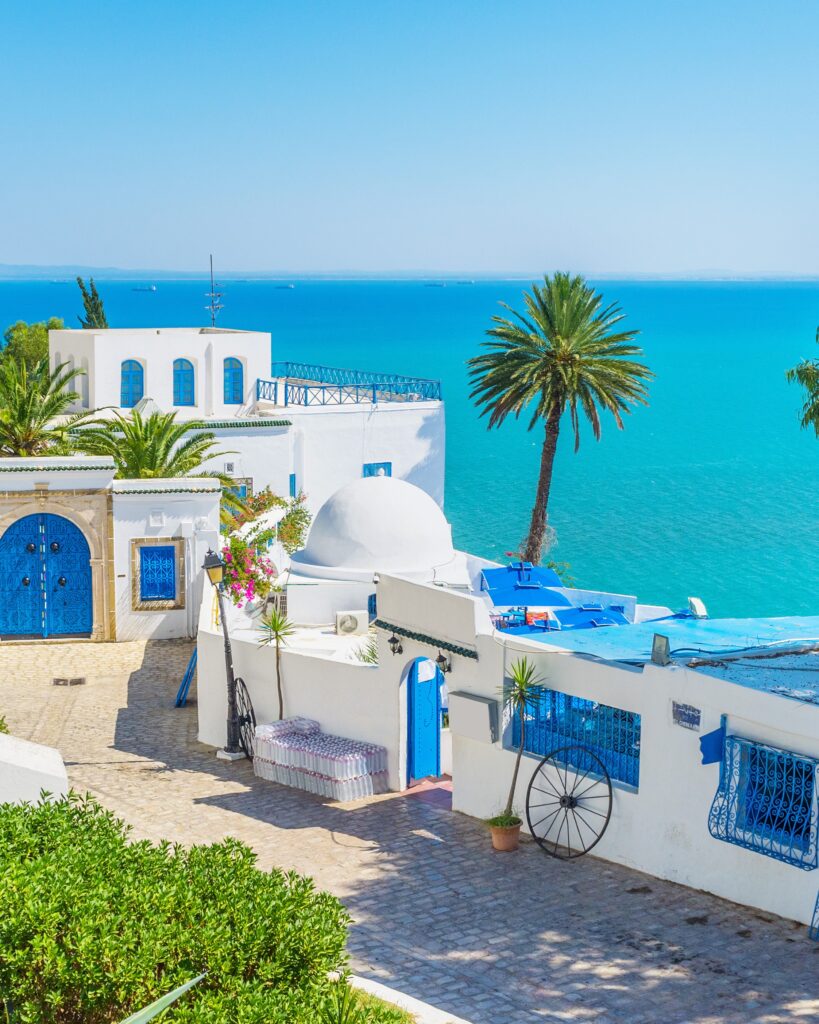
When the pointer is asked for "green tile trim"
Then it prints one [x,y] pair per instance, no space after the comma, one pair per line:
[57,469]
[424,638]
[240,424]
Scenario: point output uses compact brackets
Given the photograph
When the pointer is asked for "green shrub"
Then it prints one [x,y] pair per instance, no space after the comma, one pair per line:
[94,927]
[3,724]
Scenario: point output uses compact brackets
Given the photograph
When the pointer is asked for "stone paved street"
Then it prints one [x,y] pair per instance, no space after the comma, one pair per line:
[490,937]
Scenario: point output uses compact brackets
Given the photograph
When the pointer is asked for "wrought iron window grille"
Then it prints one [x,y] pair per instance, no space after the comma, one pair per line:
[559,719]
[766,802]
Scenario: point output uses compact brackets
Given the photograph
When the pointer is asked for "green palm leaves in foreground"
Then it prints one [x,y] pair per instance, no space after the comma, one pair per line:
[562,355]
[806,374]
[151,446]
[158,1005]
[31,400]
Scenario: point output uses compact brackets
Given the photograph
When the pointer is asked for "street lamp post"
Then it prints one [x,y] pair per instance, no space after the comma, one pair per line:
[215,568]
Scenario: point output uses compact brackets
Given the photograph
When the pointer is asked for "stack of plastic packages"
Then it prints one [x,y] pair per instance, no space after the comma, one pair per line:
[295,752]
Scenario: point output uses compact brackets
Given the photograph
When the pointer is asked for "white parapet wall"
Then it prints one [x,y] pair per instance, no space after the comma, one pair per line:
[348,698]
[660,827]
[27,769]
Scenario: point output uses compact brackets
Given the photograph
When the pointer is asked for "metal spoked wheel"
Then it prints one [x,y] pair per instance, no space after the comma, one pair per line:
[568,803]
[247,718]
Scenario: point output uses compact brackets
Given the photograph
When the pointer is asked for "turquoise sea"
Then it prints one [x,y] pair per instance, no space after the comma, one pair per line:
[712,491]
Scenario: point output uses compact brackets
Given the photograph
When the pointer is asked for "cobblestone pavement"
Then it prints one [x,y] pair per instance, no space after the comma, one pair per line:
[490,937]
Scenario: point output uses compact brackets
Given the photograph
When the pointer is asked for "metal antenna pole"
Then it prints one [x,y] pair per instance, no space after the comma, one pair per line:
[215,304]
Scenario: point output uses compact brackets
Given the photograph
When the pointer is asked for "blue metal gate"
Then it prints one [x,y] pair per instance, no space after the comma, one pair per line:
[424,748]
[46,568]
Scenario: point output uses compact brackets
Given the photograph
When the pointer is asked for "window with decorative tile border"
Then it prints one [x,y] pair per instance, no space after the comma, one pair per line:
[157,573]
[242,487]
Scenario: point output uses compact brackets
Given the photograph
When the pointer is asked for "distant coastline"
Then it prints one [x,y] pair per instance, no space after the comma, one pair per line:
[463,277]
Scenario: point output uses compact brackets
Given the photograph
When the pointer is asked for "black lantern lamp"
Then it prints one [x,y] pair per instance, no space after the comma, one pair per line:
[395,645]
[443,663]
[214,566]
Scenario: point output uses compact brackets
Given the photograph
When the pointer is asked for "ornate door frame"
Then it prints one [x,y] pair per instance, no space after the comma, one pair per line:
[91,512]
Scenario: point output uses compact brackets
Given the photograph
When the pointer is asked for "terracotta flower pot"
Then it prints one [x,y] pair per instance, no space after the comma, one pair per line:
[505,838]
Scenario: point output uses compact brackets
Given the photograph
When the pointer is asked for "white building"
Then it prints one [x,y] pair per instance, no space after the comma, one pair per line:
[744,826]
[294,427]
[87,556]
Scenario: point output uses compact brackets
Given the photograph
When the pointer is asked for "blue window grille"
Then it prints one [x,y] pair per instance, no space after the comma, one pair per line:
[242,488]
[372,607]
[132,383]
[234,382]
[183,382]
[157,572]
[377,469]
[766,802]
[293,490]
[558,720]
[813,931]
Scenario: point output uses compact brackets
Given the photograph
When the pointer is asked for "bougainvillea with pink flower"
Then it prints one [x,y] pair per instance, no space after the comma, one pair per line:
[249,573]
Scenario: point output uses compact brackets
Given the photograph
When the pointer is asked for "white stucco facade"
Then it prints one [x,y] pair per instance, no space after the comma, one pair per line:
[293,437]
[107,533]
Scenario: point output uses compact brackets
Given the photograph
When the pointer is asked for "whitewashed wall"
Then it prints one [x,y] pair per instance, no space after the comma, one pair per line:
[663,828]
[162,508]
[347,698]
[101,354]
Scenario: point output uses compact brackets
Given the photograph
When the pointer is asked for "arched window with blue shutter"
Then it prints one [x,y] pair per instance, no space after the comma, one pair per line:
[184,391]
[132,383]
[234,382]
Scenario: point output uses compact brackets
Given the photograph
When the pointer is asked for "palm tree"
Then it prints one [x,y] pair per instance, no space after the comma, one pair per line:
[278,630]
[521,695]
[562,355]
[156,446]
[806,374]
[34,406]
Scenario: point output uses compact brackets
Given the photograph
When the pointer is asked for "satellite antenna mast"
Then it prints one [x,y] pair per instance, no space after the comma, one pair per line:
[215,305]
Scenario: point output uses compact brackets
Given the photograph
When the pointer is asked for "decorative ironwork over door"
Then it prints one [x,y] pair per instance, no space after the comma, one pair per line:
[46,564]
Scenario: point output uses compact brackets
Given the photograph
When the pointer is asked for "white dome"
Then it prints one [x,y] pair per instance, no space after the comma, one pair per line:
[376,524]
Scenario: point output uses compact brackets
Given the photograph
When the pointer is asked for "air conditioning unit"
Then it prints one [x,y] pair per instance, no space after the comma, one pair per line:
[355,623]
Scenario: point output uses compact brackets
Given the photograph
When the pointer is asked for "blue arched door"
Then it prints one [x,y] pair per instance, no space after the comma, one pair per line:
[46,568]
[424,719]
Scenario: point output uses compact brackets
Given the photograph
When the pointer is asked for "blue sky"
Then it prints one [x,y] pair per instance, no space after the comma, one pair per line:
[348,136]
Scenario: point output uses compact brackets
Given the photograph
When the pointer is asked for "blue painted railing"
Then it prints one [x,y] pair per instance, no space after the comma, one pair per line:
[185,685]
[558,719]
[311,384]
[766,802]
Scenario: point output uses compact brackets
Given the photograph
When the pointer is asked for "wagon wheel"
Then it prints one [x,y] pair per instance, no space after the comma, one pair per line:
[247,718]
[568,803]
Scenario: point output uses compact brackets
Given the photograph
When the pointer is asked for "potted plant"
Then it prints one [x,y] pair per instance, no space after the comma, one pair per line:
[519,695]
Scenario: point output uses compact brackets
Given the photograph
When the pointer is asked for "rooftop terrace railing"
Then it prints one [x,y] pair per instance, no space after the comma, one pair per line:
[310,384]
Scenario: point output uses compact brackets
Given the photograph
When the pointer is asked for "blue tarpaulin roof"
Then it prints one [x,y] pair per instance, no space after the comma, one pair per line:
[522,583]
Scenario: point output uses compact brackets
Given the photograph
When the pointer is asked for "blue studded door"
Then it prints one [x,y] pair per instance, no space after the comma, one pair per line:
[46,567]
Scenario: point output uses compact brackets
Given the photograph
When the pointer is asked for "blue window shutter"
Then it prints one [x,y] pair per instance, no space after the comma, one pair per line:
[234,382]
[377,469]
[157,572]
[372,607]
[132,383]
[184,390]
[293,490]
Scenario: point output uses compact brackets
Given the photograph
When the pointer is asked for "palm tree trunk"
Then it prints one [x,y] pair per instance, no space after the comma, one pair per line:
[510,802]
[533,548]
[279,681]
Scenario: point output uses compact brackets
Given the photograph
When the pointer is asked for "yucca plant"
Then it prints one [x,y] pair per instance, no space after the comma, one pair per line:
[277,631]
[521,694]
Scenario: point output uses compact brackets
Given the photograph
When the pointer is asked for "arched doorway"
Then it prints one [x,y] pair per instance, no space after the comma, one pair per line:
[45,564]
[424,703]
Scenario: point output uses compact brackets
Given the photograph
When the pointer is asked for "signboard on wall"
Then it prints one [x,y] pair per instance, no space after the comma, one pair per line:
[686,715]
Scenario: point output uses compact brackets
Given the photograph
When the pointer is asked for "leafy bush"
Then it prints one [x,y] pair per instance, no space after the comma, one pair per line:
[94,927]
[292,528]
[3,724]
